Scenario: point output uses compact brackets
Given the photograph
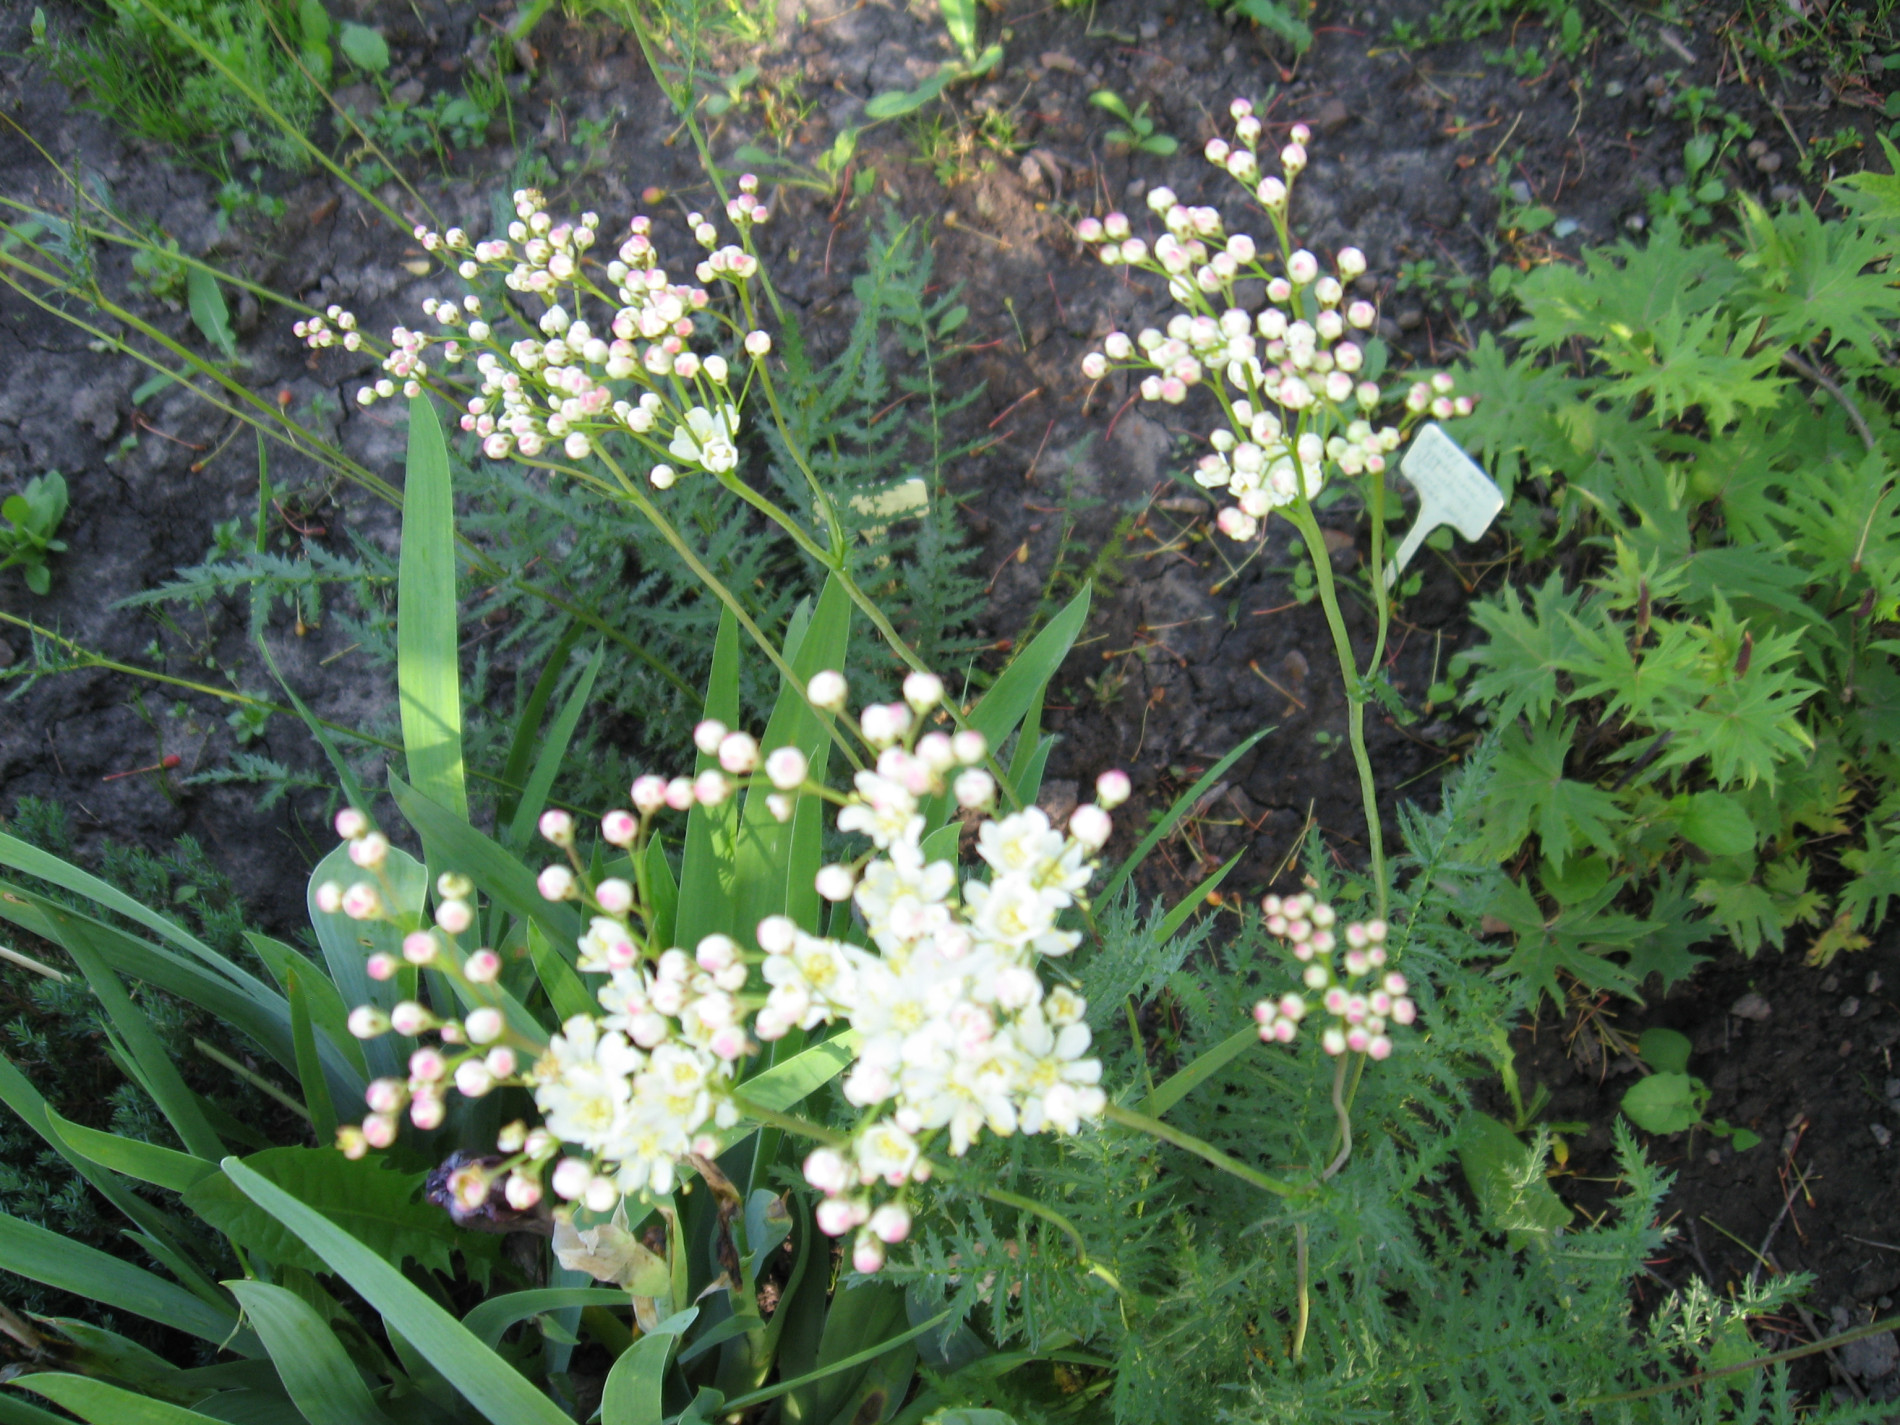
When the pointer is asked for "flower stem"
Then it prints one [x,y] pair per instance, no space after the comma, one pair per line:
[1167,1133]
[1301,514]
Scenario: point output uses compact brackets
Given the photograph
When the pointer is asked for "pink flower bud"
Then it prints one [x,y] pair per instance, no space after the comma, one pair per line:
[614,895]
[410,1018]
[351,823]
[366,1021]
[501,1061]
[484,1025]
[427,1113]
[351,1143]
[738,753]
[571,1177]
[620,828]
[472,1078]
[835,883]
[679,793]
[710,788]
[381,966]
[975,788]
[708,735]
[827,690]
[558,827]
[454,916]
[1112,788]
[836,1216]
[556,883]
[1090,825]
[329,897]
[482,967]
[523,1193]
[867,1254]
[360,902]
[379,1130]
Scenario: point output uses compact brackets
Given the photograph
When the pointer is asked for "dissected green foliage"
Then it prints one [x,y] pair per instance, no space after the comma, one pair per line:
[1699,722]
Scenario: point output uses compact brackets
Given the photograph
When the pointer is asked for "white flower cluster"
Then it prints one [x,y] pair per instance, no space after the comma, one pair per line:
[956,1032]
[1361,1011]
[633,369]
[1292,379]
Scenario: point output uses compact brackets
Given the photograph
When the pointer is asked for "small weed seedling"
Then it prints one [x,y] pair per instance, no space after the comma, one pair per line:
[1137,130]
[1672,1099]
[28,522]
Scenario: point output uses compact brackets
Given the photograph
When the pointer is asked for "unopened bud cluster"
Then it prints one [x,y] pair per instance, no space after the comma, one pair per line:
[1297,396]
[1344,976]
[616,346]
[956,1031]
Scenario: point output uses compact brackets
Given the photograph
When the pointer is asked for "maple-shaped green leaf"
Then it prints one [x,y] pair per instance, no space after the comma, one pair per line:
[1639,685]
[1813,279]
[1679,927]
[1750,721]
[1873,197]
[1754,911]
[1876,867]
[1622,288]
[1525,652]
[1843,518]
[1520,429]
[1528,792]
[376,1206]
[1688,362]
[1575,940]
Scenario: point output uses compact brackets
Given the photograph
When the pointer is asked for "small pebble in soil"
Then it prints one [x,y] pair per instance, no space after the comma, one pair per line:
[1756,148]
[1850,1007]
[1411,319]
[1830,984]
[1847,1048]
[1768,163]
[1613,90]
[1871,1357]
[1783,193]
[1874,982]
[1893,1088]
[1751,1006]
[1636,222]
[1883,1135]
[1151,29]
[1714,1158]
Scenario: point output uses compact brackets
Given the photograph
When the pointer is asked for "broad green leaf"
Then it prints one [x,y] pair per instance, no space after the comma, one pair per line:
[65,1265]
[316,1370]
[14,1411]
[363,47]
[148,1162]
[488,1382]
[1508,1181]
[1179,1085]
[347,944]
[895,103]
[514,774]
[959,18]
[1528,792]
[776,862]
[208,311]
[328,1012]
[1524,653]
[1719,824]
[632,1394]
[1664,1049]
[861,1316]
[103,1404]
[566,991]
[316,1087]
[376,1206]
[428,665]
[1663,1103]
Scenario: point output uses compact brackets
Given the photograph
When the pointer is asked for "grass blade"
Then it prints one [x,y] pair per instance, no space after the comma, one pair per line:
[102,1404]
[1179,1085]
[303,1034]
[706,867]
[553,753]
[489,1383]
[514,773]
[1183,804]
[428,666]
[148,1162]
[632,1396]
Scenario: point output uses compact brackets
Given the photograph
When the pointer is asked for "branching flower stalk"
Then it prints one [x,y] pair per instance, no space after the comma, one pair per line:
[1298,392]
[1298,396]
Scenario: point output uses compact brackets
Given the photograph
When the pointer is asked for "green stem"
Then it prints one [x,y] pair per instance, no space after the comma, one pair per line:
[1207,1152]
[1301,514]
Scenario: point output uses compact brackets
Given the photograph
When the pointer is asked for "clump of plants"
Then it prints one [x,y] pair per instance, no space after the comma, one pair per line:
[853,1114]
[1696,723]
[29,529]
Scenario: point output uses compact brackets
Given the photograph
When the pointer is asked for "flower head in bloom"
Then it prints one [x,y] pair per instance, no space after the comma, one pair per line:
[1295,409]
[957,1034]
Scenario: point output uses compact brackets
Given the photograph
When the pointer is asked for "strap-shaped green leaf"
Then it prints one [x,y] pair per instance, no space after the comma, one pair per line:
[706,868]
[102,1404]
[553,753]
[428,664]
[490,1321]
[632,1395]
[317,1372]
[1182,805]
[56,1261]
[488,1382]
[148,1162]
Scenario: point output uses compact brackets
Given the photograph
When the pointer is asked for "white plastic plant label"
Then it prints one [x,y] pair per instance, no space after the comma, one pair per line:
[1451,490]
